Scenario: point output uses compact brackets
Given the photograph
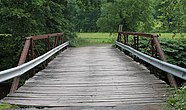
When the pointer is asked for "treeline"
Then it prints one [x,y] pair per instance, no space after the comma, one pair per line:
[28,17]
[134,15]
[23,18]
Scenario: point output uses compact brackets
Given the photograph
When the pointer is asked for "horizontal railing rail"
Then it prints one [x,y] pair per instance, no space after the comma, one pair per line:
[139,34]
[53,43]
[21,69]
[167,67]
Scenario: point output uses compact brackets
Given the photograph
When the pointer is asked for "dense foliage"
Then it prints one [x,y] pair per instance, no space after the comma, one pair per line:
[134,15]
[20,18]
[10,49]
[175,50]
[84,14]
[30,17]
[44,16]
[171,15]
[130,13]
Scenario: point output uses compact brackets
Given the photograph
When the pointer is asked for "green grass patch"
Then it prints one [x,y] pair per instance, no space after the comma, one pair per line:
[172,36]
[7,106]
[87,39]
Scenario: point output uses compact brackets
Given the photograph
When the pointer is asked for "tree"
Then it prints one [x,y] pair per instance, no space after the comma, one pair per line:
[172,15]
[23,18]
[14,18]
[133,14]
[88,5]
[85,14]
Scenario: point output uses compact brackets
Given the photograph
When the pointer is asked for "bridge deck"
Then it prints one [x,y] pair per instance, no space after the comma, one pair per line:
[90,76]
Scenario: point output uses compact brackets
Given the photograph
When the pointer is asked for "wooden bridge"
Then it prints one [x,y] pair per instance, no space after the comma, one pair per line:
[93,76]
[90,76]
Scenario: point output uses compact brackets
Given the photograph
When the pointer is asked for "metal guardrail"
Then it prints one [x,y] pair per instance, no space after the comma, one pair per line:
[167,67]
[19,70]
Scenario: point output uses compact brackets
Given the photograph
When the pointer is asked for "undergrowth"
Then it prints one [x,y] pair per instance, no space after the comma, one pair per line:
[178,100]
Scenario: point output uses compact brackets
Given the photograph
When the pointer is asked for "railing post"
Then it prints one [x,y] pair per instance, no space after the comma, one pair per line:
[171,78]
[120,29]
[136,42]
[22,60]
[152,70]
[58,37]
[124,39]
[119,37]
[15,84]
[127,39]
[32,46]
[62,39]
[48,42]
[55,41]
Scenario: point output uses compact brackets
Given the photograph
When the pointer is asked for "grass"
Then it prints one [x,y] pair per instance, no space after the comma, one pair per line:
[7,106]
[172,36]
[87,39]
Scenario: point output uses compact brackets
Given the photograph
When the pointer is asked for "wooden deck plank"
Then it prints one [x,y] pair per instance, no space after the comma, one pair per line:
[90,76]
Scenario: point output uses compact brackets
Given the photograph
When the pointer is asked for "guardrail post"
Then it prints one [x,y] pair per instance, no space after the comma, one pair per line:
[171,78]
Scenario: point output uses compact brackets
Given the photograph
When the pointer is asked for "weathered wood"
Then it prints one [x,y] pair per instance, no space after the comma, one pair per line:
[91,76]
[57,103]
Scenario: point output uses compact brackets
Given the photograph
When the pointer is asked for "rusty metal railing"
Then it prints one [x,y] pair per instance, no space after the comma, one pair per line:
[156,50]
[53,43]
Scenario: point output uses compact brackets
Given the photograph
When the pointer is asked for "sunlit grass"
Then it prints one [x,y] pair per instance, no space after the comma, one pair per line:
[87,39]
[172,36]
